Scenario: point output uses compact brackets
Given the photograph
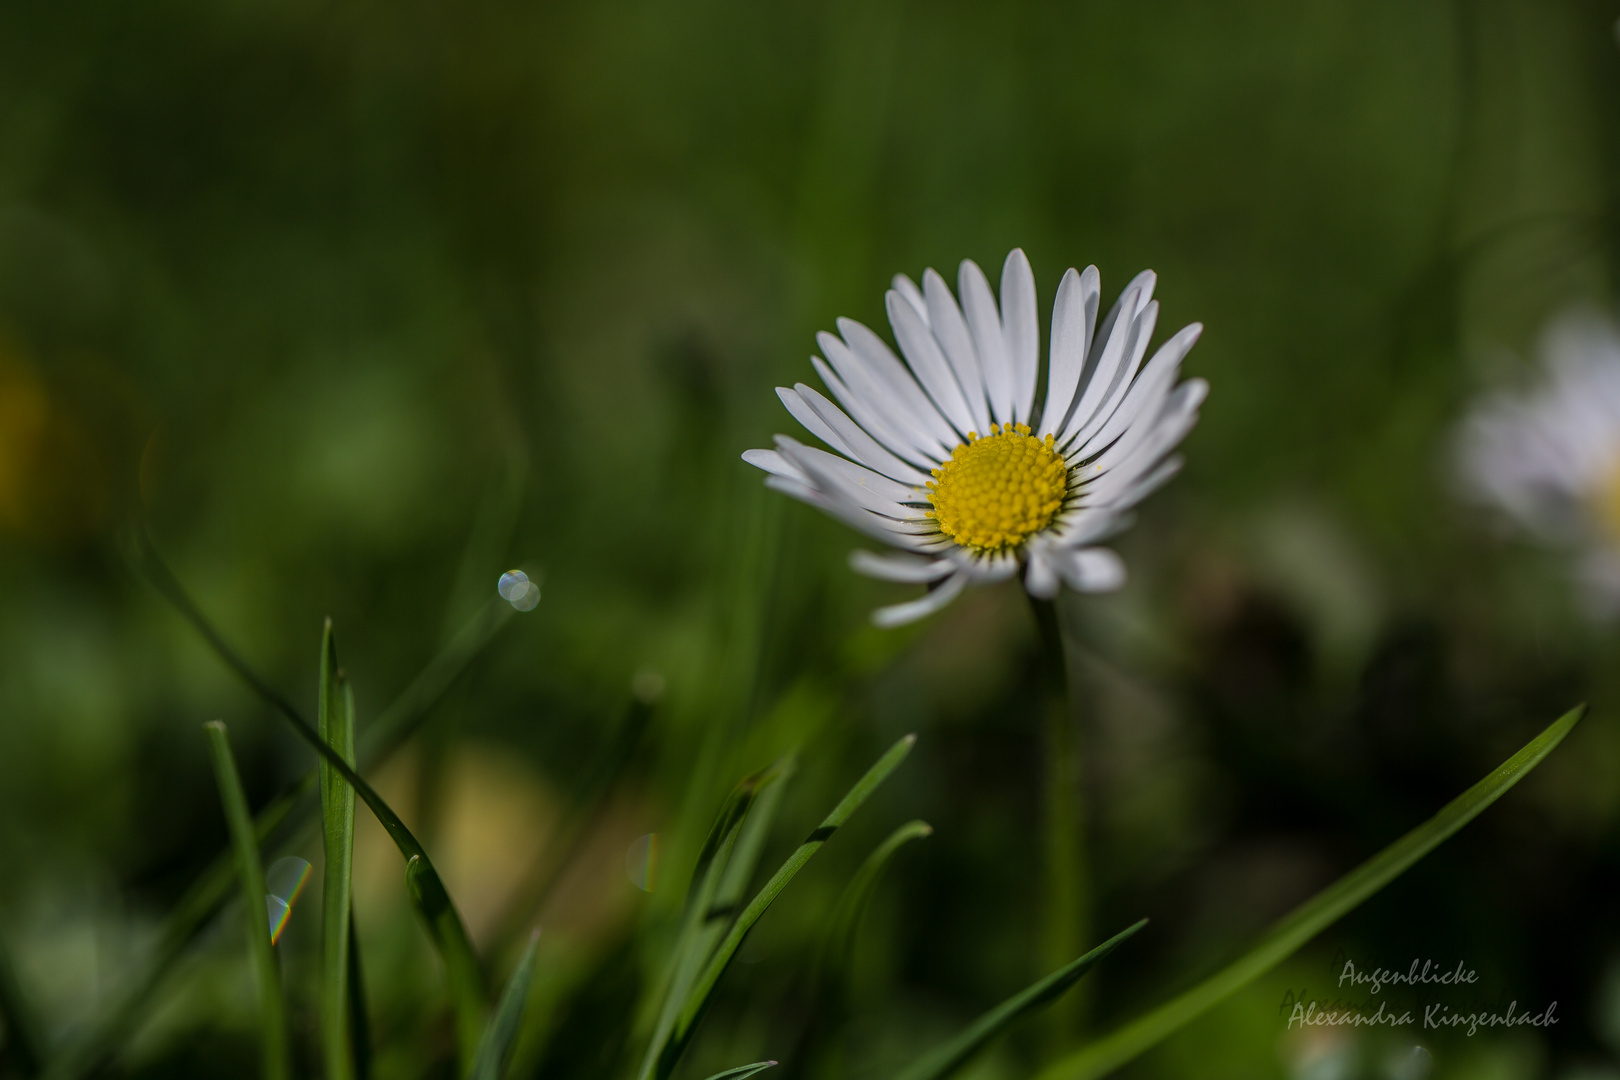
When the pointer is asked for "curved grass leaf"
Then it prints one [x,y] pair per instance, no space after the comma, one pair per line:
[336,719]
[208,893]
[942,1062]
[421,879]
[495,1048]
[1310,918]
[742,1072]
[697,1001]
[839,951]
[272,1009]
[694,942]
[199,903]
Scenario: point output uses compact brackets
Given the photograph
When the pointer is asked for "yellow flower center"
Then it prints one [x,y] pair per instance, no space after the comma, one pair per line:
[996,491]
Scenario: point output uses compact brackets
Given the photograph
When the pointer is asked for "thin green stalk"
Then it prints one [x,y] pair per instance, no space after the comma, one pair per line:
[1065,914]
[199,904]
[698,998]
[336,717]
[1309,919]
[210,891]
[422,881]
[272,1010]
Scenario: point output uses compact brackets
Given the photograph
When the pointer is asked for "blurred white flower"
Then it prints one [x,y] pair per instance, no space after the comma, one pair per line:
[950,458]
[1550,456]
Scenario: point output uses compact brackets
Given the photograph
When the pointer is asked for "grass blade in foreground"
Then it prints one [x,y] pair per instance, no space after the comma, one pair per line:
[695,939]
[846,920]
[421,879]
[272,1010]
[336,718]
[210,891]
[697,1001]
[1310,918]
[945,1060]
[742,1072]
[495,1048]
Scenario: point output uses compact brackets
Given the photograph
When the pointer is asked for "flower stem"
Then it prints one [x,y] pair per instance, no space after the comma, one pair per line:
[1065,915]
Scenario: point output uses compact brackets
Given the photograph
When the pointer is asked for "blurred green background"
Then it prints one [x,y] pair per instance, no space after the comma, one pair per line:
[358,305]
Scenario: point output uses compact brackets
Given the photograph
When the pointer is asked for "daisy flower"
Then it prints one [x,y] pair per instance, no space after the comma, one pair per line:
[955,458]
[1550,457]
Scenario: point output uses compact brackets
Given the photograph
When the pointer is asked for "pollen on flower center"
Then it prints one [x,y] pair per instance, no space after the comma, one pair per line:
[998,490]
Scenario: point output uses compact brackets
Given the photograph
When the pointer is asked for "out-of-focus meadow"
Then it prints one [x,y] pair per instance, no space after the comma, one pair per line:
[357,306]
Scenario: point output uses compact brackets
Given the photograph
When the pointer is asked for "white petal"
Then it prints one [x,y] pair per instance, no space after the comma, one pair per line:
[1141,489]
[900,614]
[1144,397]
[956,342]
[1020,330]
[1074,313]
[905,569]
[856,483]
[1104,366]
[1041,579]
[863,448]
[932,370]
[985,569]
[775,464]
[853,516]
[875,352]
[1135,409]
[908,289]
[801,411]
[1087,524]
[1136,348]
[1089,569]
[1150,440]
[872,410]
[984,323]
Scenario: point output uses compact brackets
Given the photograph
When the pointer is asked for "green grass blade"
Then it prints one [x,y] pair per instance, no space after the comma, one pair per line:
[272,1010]
[839,951]
[694,941]
[196,907]
[336,718]
[697,1001]
[942,1062]
[1310,918]
[461,970]
[495,1048]
[24,1043]
[742,1072]
[213,887]
[421,879]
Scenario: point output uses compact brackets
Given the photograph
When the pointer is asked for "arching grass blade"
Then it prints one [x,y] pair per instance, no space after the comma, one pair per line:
[272,1010]
[695,939]
[95,1045]
[742,1072]
[942,1062]
[336,719]
[495,1048]
[697,1001]
[839,950]
[1310,918]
